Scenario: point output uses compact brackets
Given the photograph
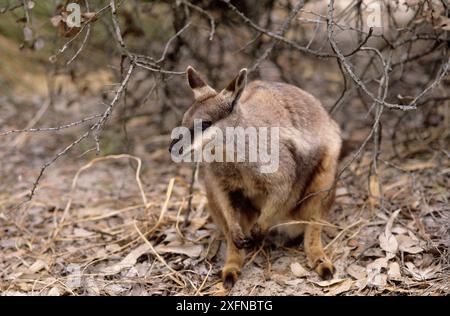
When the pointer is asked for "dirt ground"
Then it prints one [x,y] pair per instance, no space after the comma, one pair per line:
[114,225]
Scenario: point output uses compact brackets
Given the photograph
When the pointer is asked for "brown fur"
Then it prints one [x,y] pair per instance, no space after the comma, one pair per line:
[246,203]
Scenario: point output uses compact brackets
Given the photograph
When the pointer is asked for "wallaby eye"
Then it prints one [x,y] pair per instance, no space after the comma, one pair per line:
[205,125]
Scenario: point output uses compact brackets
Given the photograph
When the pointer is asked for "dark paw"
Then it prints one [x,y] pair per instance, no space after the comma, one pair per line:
[325,270]
[257,234]
[229,277]
[241,241]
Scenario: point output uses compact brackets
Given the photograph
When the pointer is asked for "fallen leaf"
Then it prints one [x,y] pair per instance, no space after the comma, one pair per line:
[115,289]
[399,183]
[377,264]
[341,288]
[54,291]
[92,287]
[14,293]
[280,279]
[419,165]
[294,282]
[171,236]
[128,261]
[356,271]
[375,276]
[426,261]
[421,274]
[298,270]
[37,266]
[81,232]
[89,16]
[399,230]
[407,244]
[374,190]
[353,243]
[196,223]
[112,248]
[341,191]
[378,280]
[192,251]
[387,240]
[328,283]
[361,284]
[374,252]
[394,272]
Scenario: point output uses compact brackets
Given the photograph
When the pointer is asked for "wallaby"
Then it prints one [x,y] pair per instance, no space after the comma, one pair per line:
[244,202]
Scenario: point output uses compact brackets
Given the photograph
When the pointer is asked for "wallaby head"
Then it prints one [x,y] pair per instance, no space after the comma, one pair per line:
[210,106]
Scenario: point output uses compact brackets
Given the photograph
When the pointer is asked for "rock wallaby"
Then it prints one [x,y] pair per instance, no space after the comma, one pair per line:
[249,205]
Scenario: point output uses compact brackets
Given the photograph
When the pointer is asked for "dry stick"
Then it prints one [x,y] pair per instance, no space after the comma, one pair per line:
[210,17]
[382,94]
[117,30]
[168,72]
[345,89]
[204,280]
[177,228]
[348,67]
[342,232]
[360,83]
[165,206]
[63,284]
[274,35]
[166,47]
[51,129]
[109,214]
[95,127]
[281,32]
[323,223]
[341,27]
[34,121]
[86,36]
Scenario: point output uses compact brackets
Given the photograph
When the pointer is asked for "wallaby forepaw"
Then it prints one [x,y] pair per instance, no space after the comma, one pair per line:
[244,243]
[257,233]
[229,277]
[325,270]
[241,241]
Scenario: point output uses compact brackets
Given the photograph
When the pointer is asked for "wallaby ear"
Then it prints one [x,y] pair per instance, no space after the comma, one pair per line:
[200,88]
[235,88]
